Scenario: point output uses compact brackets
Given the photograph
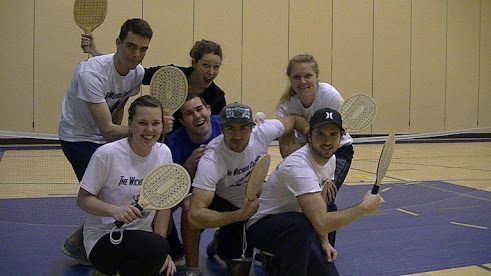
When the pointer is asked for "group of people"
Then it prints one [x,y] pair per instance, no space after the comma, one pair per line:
[294,218]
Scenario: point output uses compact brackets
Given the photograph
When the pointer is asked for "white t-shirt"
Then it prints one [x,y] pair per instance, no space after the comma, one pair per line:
[326,97]
[94,81]
[298,174]
[226,172]
[115,174]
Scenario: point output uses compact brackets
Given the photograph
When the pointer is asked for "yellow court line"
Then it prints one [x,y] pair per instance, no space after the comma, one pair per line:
[406,212]
[469,225]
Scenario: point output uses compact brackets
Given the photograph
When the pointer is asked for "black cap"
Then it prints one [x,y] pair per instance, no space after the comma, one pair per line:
[236,113]
[325,116]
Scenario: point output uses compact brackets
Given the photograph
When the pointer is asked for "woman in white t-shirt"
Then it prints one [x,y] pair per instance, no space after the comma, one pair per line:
[111,184]
[304,96]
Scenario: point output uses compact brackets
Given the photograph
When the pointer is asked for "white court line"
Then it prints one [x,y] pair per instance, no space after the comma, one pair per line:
[385,190]
[407,212]
[469,225]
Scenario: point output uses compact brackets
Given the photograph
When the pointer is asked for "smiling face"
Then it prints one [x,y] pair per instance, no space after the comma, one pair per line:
[145,129]
[195,117]
[205,71]
[324,141]
[304,80]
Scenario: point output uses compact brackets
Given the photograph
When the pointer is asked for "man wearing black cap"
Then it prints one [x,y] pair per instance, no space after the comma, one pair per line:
[218,197]
[292,222]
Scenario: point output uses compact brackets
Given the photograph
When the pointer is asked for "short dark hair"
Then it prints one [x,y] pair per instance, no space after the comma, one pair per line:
[203,47]
[179,114]
[147,101]
[137,26]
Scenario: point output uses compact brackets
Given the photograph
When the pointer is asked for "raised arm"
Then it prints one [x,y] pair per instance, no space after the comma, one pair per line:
[288,143]
[88,40]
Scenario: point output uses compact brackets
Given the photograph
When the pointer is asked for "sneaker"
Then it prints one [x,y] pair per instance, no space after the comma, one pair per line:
[96,272]
[258,259]
[179,262]
[75,252]
[212,248]
[263,259]
[193,271]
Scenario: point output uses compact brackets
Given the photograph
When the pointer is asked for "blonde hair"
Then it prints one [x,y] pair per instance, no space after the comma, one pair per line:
[302,58]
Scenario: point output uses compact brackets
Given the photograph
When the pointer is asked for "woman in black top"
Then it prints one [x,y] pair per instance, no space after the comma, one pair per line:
[206,61]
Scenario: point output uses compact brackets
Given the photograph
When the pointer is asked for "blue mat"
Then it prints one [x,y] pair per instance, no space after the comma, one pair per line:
[388,243]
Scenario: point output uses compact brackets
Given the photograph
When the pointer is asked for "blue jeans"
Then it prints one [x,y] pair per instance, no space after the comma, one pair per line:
[79,154]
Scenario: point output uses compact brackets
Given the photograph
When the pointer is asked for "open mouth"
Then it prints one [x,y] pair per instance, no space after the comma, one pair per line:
[200,123]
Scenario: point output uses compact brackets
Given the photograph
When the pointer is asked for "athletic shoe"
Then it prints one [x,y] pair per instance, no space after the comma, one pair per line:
[212,248]
[75,252]
[179,262]
[193,271]
[258,259]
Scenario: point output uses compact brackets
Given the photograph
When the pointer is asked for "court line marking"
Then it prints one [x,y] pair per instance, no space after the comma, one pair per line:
[486,266]
[407,212]
[468,225]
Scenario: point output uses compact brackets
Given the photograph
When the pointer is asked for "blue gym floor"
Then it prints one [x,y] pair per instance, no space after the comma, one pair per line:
[421,227]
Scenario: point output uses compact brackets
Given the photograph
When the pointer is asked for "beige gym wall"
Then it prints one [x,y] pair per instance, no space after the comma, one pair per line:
[427,63]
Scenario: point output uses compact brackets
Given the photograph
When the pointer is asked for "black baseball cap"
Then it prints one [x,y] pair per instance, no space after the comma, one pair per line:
[236,113]
[325,116]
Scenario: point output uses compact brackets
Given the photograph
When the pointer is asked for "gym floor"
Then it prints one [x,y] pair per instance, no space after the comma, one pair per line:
[436,219]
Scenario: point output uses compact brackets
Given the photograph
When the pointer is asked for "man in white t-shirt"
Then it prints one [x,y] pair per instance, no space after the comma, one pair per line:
[92,109]
[292,222]
[218,197]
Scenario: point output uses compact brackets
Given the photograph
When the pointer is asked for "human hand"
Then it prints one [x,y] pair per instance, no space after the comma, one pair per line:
[331,253]
[259,118]
[192,162]
[329,191]
[169,265]
[371,203]
[87,43]
[126,214]
[249,208]
[168,124]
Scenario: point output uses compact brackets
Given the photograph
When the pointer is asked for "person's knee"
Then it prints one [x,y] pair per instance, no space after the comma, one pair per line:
[238,268]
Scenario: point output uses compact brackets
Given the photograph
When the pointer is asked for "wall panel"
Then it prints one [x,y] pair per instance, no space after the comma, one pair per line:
[16,80]
[462,64]
[310,31]
[221,21]
[265,50]
[56,32]
[172,24]
[484,115]
[428,66]
[170,44]
[352,46]
[426,62]
[391,65]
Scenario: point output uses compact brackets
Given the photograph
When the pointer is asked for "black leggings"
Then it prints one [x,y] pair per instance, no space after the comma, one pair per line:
[139,253]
